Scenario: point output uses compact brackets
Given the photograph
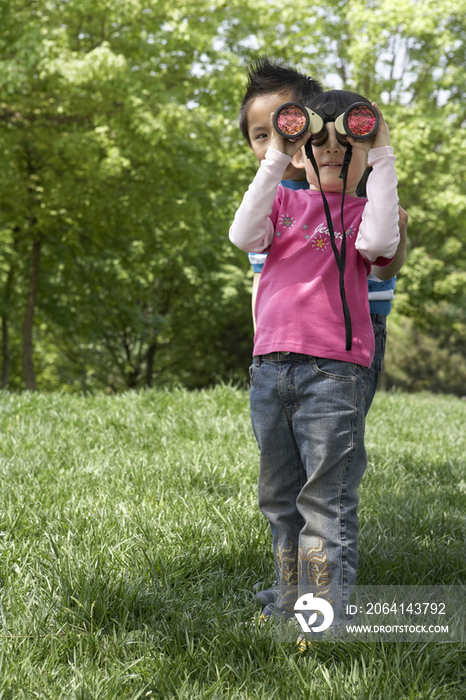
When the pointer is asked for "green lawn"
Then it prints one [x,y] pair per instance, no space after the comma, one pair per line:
[130,539]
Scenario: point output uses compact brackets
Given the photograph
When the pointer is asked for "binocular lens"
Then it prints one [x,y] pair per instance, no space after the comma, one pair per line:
[291,120]
[361,121]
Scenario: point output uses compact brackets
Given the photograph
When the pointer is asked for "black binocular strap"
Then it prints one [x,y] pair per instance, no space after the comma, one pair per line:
[340,258]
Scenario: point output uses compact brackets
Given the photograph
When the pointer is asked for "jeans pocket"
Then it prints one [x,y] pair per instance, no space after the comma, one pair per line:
[252,372]
[336,369]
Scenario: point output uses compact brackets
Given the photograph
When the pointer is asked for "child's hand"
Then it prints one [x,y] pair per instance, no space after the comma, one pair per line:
[381,138]
[285,145]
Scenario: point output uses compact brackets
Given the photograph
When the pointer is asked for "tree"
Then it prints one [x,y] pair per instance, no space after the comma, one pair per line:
[110,159]
[123,164]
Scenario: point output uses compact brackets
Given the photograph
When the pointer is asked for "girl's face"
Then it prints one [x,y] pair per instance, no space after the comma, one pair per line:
[329,159]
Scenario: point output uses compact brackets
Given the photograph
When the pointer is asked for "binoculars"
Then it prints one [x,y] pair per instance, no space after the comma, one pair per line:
[360,121]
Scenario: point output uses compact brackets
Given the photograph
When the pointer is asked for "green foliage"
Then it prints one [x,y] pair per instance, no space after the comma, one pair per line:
[428,355]
[122,158]
[113,162]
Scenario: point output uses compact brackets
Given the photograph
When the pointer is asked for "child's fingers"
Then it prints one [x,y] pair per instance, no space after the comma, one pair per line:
[377,109]
[381,137]
[302,141]
[276,141]
[305,138]
[292,147]
[362,145]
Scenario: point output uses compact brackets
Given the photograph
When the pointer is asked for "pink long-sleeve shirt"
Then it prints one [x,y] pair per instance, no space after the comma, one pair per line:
[298,305]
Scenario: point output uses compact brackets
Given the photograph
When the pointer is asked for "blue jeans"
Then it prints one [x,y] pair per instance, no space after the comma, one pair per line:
[308,419]
[371,374]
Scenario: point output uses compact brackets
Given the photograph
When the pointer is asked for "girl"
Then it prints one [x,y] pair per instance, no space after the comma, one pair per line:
[313,338]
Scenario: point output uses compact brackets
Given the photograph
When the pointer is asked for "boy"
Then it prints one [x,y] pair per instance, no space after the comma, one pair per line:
[270,85]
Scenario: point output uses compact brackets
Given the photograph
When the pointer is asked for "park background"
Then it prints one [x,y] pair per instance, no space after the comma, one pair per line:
[122,165]
[130,536]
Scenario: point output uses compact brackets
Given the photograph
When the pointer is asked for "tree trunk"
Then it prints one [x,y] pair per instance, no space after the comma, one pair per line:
[28,364]
[5,352]
[5,331]
[150,364]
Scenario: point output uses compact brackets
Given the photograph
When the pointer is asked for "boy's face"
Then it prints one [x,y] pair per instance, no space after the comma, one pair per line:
[260,128]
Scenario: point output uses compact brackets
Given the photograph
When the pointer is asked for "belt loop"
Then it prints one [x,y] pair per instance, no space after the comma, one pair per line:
[258,360]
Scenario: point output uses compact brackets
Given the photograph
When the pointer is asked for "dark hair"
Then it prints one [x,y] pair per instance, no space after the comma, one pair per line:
[342,98]
[266,77]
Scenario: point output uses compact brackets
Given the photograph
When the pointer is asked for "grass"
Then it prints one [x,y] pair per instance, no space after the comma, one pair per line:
[130,539]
